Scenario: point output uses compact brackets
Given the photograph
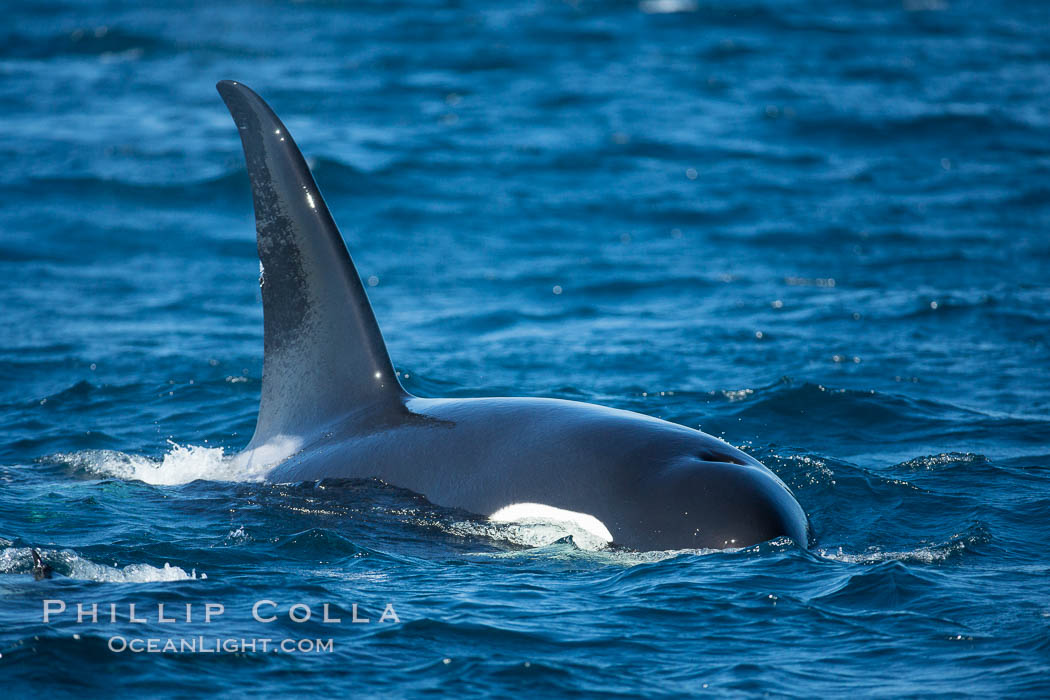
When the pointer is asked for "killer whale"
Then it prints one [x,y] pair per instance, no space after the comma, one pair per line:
[332,406]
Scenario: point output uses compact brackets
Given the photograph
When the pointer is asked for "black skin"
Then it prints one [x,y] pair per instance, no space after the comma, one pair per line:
[40,569]
[331,405]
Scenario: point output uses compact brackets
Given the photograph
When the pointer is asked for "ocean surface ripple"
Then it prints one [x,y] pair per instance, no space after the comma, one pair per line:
[819,231]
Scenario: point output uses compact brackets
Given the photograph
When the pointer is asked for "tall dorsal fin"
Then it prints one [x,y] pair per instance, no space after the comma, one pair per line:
[324,355]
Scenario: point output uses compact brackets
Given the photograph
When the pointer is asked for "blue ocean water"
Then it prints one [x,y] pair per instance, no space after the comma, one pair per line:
[818,230]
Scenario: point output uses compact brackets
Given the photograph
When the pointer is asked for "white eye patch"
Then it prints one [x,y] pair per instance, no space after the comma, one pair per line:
[538,512]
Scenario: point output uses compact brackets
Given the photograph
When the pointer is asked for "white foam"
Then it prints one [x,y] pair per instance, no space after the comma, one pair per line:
[924,555]
[19,560]
[238,536]
[180,465]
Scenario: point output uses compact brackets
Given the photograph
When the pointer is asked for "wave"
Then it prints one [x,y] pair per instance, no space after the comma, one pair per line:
[99,41]
[935,553]
[476,322]
[94,188]
[551,539]
[535,533]
[230,186]
[925,126]
[940,461]
[66,562]
[112,42]
[179,465]
[868,414]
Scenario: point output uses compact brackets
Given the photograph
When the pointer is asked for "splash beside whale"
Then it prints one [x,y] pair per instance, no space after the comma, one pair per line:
[332,405]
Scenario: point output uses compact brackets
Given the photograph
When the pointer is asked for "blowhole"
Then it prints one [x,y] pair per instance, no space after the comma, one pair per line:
[717,456]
